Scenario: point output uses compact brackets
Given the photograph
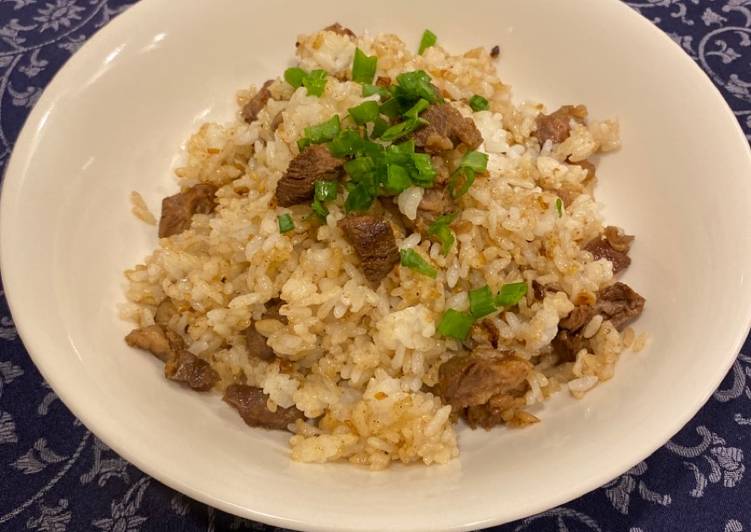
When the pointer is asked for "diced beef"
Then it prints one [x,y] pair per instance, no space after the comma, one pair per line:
[257,102]
[250,402]
[298,183]
[374,243]
[557,125]
[620,304]
[567,344]
[446,128]
[340,30]
[490,414]
[383,81]
[612,245]
[178,210]
[152,339]
[194,372]
[495,51]
[256,342]
[471,380]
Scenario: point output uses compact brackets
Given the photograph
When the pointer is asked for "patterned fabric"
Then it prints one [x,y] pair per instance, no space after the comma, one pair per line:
[57,476]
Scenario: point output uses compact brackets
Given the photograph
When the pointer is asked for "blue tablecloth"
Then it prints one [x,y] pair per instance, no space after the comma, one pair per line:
[55,475]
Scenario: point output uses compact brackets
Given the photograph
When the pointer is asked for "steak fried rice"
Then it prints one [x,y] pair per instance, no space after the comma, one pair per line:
[381,245]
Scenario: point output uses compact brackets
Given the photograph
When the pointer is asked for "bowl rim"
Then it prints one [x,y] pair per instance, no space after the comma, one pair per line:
[23,149]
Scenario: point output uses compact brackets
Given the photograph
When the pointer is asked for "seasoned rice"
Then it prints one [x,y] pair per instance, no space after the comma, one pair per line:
[363,359]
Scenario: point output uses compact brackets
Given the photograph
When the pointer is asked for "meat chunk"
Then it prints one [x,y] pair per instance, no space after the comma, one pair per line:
[340,30]
[495,51]
[250,402]
[496,411]
[471,380]
[256,342]
[557,125]
[446,128]
[151,339]
[620,304]
[178,210]
[374,243]
[298,183]
[612,245]
[567,344]
[188,369]
[257,102]
[383,81]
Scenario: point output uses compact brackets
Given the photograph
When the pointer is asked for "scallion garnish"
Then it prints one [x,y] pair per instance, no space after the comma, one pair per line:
[402,128]
[440,229]
[472,163]
[365,112]
[364,67]
[428,39]
[294,76]
[413,260]
[559,206]
[419,107]
[397,179]
[360,197]
[323,132]
[315,82]
[411,86]
[511,294]
[478,103]
[455,324]
[325,190]
[481,302]
[425,176]
[370,90]
[379,126]
[286,223]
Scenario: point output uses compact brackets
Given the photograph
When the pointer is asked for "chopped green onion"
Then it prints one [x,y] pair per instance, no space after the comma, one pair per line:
[413,260]
[559,206]
[402,128]
[471,163]
[511,294]
[418,108]
[370,90]
[359,166]
[440,229]
[428,39]
[360,198]
[325,190]
[455,324]
[411,86]
[379,126]
[294,76]
[391,108]
[397,179]
[425,176]
[347,142]
[286,223]
[475,160]
[400,153]
[315,82]
[457,189]
[481,302]
[478,103]
[363,67]
[365,112]
[319,208]
[323,132]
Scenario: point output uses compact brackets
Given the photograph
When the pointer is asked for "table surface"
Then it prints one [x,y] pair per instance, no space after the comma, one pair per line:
[55,475]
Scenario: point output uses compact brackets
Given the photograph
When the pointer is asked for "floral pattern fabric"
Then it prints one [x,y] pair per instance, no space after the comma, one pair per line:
[56,476]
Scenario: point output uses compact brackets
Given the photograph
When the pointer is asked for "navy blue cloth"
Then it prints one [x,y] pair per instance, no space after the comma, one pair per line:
[55,475]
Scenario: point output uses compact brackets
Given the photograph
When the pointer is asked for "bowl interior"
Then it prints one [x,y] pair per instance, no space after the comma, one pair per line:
[114,120]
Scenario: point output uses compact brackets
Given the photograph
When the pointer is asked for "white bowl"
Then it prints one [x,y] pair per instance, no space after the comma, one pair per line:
[113,120]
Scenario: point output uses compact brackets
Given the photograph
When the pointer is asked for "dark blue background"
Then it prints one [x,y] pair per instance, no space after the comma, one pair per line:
[56,476]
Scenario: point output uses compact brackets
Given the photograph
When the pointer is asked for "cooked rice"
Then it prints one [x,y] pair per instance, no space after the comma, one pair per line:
[140,209]
[361,357]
